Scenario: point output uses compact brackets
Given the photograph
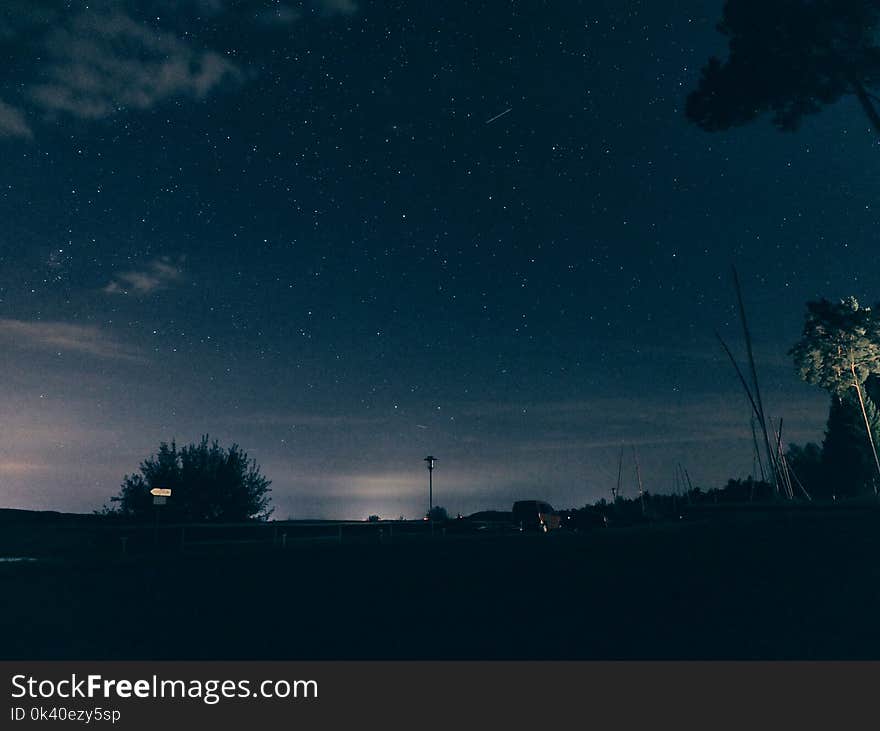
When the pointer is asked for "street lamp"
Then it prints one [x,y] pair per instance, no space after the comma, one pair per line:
[430,460]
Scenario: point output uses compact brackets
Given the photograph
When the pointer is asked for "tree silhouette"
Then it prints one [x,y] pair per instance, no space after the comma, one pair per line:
[789,58]
[847,465]
[438,514]
[207,482]
[839,351]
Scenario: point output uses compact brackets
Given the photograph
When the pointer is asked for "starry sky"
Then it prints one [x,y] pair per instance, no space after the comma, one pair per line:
[304,228]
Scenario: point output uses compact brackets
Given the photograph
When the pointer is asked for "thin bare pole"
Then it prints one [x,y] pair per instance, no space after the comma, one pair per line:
[619,473]
[780,460]
[675,496]
[799,483]
[690,487]
[852,367]
[757,452]
[739,373]
[777,438]
[757,413]
[760,406]
[639,478]
[757,460]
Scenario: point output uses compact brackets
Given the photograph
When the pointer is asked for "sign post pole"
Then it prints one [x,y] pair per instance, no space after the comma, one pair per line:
[160,497]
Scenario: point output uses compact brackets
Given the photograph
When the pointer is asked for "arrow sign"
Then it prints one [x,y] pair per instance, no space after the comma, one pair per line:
[161,492]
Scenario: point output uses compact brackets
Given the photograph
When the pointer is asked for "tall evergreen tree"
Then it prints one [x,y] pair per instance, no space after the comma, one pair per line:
[805,462]
[840,351]
[847,463]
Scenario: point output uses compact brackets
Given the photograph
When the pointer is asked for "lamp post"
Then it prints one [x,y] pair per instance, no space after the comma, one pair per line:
[430,460]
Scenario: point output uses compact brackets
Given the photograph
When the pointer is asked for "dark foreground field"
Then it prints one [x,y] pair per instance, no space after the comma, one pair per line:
[755,587]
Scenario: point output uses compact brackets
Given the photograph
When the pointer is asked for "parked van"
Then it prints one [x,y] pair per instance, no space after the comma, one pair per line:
[534,516]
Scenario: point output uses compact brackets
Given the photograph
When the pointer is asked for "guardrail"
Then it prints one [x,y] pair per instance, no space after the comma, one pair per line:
[185,537]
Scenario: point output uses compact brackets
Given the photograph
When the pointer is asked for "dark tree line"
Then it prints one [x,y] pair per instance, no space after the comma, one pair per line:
[648,507]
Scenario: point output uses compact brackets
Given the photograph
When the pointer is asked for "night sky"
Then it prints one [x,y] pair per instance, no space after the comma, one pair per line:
[305,228]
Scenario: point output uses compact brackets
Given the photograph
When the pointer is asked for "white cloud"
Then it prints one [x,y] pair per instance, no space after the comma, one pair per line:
[63,336]
[103,61]
[156,275]
[94,61]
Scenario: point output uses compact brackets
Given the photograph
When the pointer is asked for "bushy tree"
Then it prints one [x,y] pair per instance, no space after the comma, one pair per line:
[207,482]
[789,58]
[840,351]
[438,514]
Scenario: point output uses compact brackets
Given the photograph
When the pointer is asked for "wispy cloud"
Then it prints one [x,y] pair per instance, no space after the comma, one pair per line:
[338,7]
[282,13]
[13,123]
[96,60]
[304,419]
[102,59]
[278,14]
[66,337]
[103,62]
[156,275]
[21,468]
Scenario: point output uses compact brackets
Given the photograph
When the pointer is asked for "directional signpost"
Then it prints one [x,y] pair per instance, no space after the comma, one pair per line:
[160,496]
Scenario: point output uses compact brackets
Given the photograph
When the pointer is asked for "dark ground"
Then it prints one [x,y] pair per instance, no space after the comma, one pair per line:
[742,587]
